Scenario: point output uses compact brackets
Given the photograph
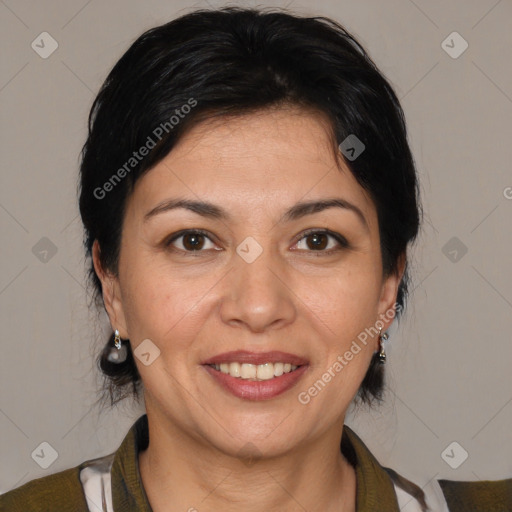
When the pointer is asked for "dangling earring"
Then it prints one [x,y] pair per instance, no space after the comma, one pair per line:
[117,340]
[119,353]
[382,338]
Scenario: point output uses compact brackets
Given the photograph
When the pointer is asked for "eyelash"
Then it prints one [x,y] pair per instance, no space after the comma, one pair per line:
[339,238]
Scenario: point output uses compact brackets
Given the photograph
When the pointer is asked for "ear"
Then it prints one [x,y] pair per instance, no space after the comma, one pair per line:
[389,292]
[111,293]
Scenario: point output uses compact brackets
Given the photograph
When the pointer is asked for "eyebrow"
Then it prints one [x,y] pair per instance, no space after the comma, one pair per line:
[297,211]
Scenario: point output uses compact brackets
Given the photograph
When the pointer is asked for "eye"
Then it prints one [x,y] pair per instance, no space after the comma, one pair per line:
[318,241]
[197,240]
[191,240]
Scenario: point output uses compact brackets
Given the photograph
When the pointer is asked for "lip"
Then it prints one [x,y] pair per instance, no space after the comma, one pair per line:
[244,356]
[256,390]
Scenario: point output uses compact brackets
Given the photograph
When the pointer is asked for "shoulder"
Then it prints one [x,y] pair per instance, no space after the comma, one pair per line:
[484,496]
[453,496]
[58,492]
[435,496]
[412,498]
[381,488]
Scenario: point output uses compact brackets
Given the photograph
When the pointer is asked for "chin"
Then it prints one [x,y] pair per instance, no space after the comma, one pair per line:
[250,435]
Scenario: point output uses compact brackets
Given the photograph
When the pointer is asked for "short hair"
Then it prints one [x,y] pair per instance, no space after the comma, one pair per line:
[229,62]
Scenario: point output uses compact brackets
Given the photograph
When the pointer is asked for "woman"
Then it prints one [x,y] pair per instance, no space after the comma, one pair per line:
[248,197]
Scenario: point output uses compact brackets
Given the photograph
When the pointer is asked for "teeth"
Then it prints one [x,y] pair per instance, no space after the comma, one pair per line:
[265,371]
[234,369]
[247,371]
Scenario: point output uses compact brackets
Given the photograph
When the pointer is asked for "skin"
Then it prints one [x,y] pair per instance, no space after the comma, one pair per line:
[293,297]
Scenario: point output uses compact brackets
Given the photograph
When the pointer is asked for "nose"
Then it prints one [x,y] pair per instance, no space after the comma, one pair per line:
[257,296]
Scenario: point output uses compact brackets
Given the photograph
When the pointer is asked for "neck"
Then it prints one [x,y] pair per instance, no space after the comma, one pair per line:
[178,471]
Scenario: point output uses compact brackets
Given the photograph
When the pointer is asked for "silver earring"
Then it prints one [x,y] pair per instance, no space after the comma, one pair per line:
[117,340]
[382,338]
[119,353]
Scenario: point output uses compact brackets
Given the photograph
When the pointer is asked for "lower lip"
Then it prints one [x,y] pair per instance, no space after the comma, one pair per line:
[257,390]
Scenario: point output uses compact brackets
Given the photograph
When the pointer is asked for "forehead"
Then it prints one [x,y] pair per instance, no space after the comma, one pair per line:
[266,159]
[286,134]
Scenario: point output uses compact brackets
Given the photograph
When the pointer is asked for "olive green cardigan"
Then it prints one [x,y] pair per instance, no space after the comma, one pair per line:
[376,485]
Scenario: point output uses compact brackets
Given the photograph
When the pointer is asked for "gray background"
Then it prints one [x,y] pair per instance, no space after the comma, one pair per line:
[449,360]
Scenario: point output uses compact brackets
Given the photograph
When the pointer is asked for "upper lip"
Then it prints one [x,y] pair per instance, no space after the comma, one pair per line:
[243,356]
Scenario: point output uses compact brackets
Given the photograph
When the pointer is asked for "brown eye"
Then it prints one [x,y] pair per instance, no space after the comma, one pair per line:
[193,241]
[319,241]
[190,241]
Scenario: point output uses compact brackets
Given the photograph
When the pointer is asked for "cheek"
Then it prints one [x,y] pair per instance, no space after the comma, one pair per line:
[163,306]
[347,304]
[346,346]
[344,310]
[156,305]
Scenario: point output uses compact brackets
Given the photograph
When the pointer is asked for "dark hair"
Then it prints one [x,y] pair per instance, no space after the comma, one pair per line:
[235,61]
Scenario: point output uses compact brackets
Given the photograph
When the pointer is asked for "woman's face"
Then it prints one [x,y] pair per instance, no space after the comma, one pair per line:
[260,278]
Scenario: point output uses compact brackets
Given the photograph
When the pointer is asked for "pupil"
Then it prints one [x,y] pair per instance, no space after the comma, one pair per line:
[318,243]
[195,241]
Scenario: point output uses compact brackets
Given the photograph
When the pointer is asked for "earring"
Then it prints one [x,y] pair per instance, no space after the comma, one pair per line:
[119,353]
[382,338]
[117,340]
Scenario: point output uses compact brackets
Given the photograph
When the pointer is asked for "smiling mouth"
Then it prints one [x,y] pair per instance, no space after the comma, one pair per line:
[255,372]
